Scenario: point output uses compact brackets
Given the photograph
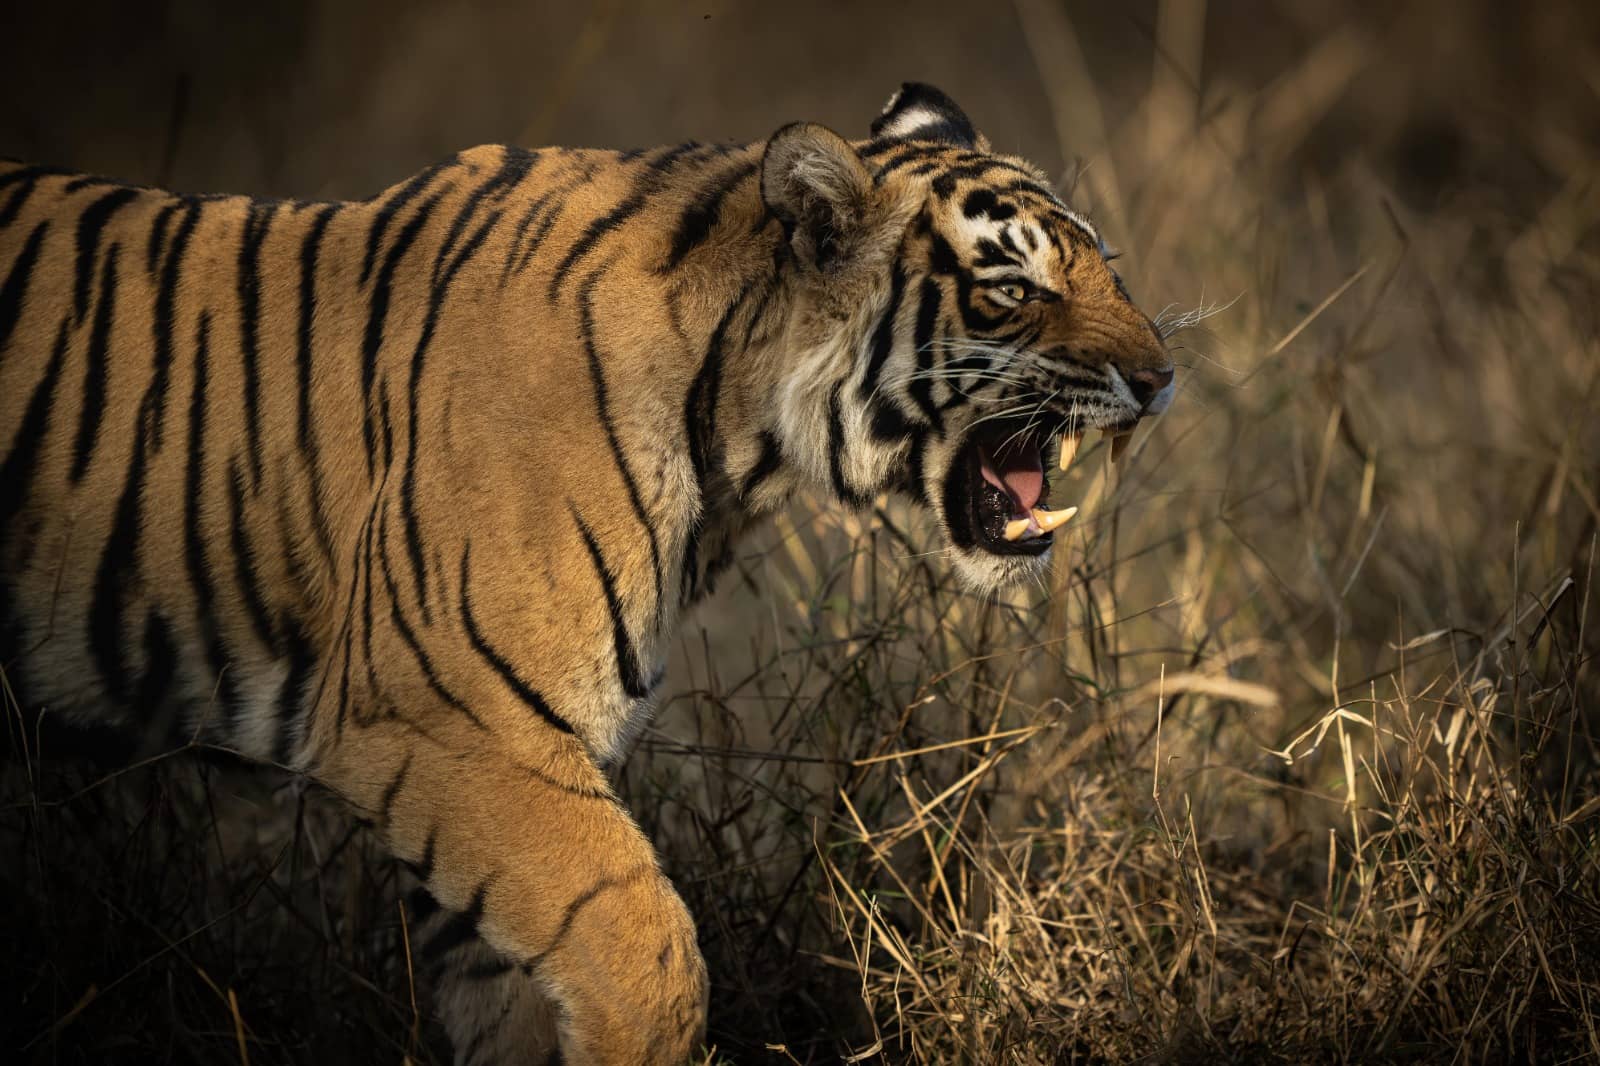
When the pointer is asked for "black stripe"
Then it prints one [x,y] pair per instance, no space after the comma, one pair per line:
[90,181]
[624,210]
[991,254]
[459,928]
[767,463]
[26,179]
[942,258]
[408,635]
[700,403]
[586,897]
[391,207]
[592,235]
[514,166]
[602,405]
[888,422]
[16,473]
[344,680]
[701,216]
[408,502]
[117,562]
[245,571]
[700,428]
[879,145]
[883,335]
[628,669]
[306,434]
[378,312]
[302,662]
[914,153]
[842,488]
[194,541]
[1049,203]
[97,366]
[758,314]
[957,514]
[921,388]
[551,205]
[349,625]
[983,203]
[370,530]
[423,867]
[162,326]
[158,236]
[545,226]
[386,430]
[514,245]
[160,664]
[556,203]
[91,224]
[421,905]
[310,251]
[501,665]
[916,462]
[364,575]
[391,791]
[258,219]
[16,283]
[945,184]
[1009,243]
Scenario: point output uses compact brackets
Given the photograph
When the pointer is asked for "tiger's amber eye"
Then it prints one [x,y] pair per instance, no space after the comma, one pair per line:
[1011,290]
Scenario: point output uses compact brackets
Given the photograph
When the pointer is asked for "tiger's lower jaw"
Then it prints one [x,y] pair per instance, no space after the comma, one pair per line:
[986,573]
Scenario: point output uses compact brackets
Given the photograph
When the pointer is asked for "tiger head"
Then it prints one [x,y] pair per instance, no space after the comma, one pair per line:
[960,326]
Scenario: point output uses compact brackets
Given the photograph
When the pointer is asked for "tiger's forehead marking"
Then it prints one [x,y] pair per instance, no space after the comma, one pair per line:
[976,184]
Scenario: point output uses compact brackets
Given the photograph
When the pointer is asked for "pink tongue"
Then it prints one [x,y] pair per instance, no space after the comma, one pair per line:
[1018,473]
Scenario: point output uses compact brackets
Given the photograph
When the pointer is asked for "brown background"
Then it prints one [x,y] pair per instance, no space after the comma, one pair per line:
[342,98]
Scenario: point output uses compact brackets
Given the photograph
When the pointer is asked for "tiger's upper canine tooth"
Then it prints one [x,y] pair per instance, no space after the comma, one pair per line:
[1048,520]
[1069,448]
[1017,527]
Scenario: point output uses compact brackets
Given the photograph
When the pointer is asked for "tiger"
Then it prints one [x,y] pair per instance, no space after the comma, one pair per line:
[408,494]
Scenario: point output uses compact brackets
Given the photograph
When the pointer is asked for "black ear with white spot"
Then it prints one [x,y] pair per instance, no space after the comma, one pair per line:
[819,188]
[919,112]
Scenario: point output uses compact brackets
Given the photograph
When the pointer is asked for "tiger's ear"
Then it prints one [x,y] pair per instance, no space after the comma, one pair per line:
[918,112]
[819,188]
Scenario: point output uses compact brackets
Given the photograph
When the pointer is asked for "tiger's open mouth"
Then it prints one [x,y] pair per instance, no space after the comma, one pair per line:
[996,492]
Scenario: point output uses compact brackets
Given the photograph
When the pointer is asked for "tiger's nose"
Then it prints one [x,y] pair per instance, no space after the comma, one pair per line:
[1146,385]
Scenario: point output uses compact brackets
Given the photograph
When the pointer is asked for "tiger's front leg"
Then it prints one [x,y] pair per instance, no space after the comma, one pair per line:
[537,859]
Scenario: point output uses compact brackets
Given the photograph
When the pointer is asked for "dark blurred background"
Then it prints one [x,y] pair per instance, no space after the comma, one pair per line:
[342,98]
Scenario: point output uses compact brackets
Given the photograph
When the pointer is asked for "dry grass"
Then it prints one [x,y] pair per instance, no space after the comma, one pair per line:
[1297,760]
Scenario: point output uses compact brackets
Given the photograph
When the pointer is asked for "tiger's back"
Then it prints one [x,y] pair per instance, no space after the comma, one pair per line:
[209,391]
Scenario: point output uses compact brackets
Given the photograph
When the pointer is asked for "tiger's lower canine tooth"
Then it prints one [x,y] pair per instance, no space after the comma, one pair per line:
[1048,520]
[1017,527]
[1069,448]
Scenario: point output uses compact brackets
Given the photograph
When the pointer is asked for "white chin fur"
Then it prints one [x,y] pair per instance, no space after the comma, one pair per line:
[984,572]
